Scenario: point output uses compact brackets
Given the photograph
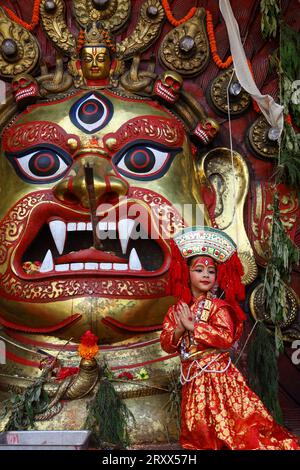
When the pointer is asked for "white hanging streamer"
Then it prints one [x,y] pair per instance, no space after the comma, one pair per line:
[272,111]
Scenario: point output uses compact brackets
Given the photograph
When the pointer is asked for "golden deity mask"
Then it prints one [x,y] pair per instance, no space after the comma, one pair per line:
[63,271]
[95,62]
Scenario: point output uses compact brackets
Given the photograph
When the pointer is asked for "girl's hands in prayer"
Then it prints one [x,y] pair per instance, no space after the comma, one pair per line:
[185,316]
[180,329]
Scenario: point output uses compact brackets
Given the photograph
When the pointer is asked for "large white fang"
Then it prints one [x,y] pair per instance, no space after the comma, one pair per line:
[58,229]
[134,261]
[125,227]
[47,264]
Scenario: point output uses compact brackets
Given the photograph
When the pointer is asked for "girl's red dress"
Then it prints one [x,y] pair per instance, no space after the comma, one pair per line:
[219,410]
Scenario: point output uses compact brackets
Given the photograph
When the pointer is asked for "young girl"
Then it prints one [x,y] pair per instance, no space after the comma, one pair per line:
[218,409]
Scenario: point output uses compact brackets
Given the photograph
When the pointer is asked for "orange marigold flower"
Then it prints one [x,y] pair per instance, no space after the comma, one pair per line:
[213,44]
[34,19]
[88,352]
[88,347]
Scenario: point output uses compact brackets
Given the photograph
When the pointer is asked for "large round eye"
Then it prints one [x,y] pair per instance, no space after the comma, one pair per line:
[41,166]
[91,113]
[144,161]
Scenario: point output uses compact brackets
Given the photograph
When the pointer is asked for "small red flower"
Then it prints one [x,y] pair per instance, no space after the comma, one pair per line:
[89,339]
[125,375]
[66,372]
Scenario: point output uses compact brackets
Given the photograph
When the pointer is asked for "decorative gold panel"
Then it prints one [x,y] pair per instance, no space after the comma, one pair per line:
[290,327]
[185,49]
[55,26]
[261,139]
[239,99]
[146,31]
[24,50]
[113,15]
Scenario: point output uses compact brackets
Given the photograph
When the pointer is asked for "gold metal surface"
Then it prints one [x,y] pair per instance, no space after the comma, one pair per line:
[290,326]
[149,400]
[146,31]
[95,58]
[39,306]
[185,48]
[135,80]
[55,27]
[27,48]
[228,175]
[218,94]
[113,16]
[258,138]
[58,81]
[153,422]
[250,267]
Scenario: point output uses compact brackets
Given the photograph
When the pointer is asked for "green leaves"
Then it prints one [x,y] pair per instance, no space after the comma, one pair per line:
[268,345]
[108,417]
[24,407]
[269,17]
[289,157]
[263,371]
[283,255]
[289,52]
[289,150]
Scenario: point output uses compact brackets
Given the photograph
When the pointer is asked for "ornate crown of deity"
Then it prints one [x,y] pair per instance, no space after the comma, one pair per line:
[96,35]
[194,241]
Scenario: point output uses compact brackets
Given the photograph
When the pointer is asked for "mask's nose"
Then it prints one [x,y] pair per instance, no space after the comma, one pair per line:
[72,189]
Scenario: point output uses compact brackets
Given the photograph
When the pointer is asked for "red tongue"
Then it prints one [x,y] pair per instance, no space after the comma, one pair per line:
[88,256]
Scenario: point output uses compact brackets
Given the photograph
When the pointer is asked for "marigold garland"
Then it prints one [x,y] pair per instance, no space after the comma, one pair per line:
[170,17]
[216,58]
[88,347]
[34,19]
[213,44]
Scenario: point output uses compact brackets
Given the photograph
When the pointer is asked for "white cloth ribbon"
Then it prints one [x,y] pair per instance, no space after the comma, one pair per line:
[272,111]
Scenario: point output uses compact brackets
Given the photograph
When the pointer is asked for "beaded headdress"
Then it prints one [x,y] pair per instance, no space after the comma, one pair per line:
[207,241]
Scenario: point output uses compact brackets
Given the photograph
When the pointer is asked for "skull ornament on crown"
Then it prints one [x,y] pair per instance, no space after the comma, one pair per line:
[25,89]
[206,131]
[168,86]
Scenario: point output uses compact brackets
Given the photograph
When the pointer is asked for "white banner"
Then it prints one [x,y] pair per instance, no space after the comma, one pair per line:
[272,111]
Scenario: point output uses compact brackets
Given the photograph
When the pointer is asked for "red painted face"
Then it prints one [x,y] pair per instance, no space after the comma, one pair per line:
[202,275]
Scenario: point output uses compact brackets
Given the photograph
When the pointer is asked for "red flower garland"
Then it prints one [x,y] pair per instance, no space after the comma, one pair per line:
[125,375]
[34,19]
[66,372]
